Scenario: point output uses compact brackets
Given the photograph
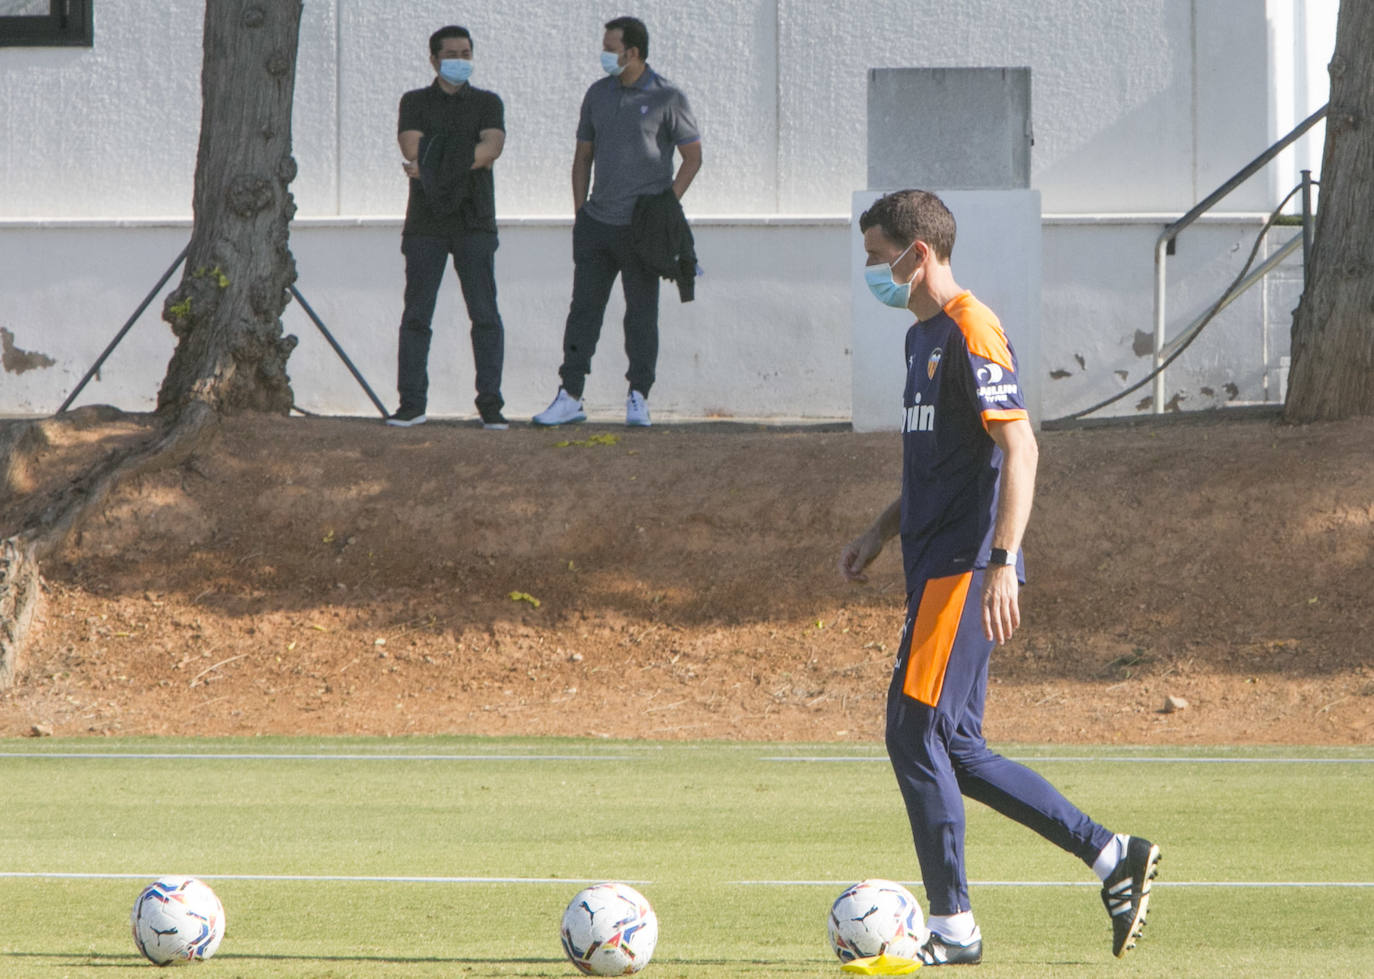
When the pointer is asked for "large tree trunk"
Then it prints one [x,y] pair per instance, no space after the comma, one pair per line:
[230,352]
[1332,372]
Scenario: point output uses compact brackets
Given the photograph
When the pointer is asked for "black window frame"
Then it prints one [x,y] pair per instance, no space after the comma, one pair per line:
[68,23]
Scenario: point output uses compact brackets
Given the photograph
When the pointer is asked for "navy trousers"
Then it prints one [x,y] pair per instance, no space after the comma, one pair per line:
[935,742]
[601,252]
[474,259]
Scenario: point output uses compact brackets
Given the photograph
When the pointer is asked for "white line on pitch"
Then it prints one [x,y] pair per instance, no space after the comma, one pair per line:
[1275,884]
[1078,883]
[1089,758]
[314,877]
[269,756]
[232,756]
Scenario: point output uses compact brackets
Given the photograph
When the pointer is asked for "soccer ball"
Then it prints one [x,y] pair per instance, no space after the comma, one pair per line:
[177,919]
[874,917]
[609,930]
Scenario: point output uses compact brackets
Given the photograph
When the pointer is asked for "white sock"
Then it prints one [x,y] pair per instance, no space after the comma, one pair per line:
[1112,854]
[958,928]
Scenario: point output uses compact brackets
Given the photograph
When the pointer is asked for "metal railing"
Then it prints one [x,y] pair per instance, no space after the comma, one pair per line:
[1164,246]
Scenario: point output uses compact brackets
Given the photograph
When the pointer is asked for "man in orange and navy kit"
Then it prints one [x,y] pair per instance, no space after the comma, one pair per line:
[968,475]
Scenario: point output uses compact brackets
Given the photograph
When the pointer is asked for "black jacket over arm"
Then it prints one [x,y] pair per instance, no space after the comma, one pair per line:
[664,240]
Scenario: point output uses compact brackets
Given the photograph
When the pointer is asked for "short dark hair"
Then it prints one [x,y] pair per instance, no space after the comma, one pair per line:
[633,33]
[913,215]
[437,39]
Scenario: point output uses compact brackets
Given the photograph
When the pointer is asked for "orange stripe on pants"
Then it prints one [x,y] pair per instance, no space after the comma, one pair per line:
[932,636]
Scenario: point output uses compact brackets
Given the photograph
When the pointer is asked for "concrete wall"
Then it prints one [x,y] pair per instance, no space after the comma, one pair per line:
[1097,328]
[1141,106]
[767,337]
[1139,109]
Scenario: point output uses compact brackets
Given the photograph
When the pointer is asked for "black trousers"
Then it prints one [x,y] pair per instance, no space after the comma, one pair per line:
[600,253]
[474,259]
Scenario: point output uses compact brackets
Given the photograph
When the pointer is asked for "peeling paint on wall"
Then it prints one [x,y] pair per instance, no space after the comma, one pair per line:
[16,361]
[1174,404]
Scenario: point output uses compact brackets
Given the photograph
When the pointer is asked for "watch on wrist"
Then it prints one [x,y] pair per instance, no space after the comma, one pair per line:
[1000,555]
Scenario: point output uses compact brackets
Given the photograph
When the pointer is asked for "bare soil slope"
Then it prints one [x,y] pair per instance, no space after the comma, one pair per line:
[336,576]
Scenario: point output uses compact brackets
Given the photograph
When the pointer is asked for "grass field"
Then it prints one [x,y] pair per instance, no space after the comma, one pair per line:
[371,857]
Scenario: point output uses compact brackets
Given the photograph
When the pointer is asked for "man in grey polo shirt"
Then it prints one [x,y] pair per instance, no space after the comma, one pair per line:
[631,123]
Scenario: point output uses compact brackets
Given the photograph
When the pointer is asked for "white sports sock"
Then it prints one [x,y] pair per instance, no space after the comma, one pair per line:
[1112,854]
[958,928]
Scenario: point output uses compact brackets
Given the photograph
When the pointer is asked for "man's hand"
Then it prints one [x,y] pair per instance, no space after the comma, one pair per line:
[868,545]
[411,168]
[859,554]
[1001,609]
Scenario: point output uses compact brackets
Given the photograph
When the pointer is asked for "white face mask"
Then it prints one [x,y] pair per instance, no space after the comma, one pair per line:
[455,71]
[886,289]
[610,62]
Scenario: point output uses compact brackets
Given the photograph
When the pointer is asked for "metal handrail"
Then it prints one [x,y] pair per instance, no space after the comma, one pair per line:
[1263,269]
[1164,244]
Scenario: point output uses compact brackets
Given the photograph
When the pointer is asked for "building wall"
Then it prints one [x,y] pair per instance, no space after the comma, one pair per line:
[765,339]
[1139,109]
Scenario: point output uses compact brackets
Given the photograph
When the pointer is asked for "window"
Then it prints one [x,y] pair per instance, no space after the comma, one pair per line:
[46,23]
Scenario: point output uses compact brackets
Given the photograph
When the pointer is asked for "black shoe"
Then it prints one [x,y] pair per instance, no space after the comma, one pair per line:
[1126,892]
[942,951]
[493,420]
[406,417]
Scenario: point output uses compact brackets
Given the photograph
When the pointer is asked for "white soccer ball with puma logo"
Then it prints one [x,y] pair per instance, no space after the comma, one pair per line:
[609,930]
[177,919]
[876,917]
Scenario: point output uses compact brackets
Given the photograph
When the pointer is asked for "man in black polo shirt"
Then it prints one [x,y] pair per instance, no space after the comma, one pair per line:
[631,123]
[450,134]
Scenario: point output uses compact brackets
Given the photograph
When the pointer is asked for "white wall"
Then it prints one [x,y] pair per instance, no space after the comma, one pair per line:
[1097,322]
[1139,109]
[767,337]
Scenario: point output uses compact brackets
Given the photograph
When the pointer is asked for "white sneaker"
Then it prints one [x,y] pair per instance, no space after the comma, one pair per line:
[637,410]
[564,410]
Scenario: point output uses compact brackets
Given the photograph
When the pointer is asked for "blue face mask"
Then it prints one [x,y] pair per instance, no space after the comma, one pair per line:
[884,288]
[455,71]
[610,61]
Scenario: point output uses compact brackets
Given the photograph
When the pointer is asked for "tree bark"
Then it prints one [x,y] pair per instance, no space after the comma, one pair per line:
[230,351]
[1332,370]
[20,595]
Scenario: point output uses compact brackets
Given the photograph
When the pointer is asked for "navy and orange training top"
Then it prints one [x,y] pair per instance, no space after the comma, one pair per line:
[961,375]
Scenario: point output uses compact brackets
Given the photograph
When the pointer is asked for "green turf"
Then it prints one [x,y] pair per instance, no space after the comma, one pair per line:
[695,822]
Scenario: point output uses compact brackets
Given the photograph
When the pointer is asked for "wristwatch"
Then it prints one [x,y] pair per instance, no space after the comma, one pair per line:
[999,555]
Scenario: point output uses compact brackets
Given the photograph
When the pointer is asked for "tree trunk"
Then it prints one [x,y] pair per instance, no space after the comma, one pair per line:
[20,595]
[231,354]
[1332,372]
